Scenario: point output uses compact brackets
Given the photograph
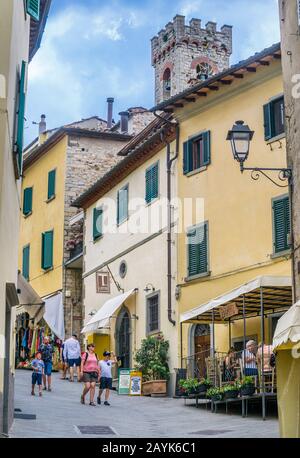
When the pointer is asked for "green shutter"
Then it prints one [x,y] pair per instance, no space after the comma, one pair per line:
[47,250]
[51,184]
[206,148]
[198,251]
[33,9]
[186,167]
[122,205]
[21,117]
[27,201]
[282,224]
[152,183]
[97,223]
[268,121]
[25,262]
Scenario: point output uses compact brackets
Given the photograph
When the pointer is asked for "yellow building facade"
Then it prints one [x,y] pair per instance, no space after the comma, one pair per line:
[238,212]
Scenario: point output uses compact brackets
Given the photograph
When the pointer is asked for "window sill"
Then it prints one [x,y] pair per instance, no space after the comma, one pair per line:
[275,139]
[48,270]
[281,254]
[122,222]
[50,199]
[97,239]
[27,215]
[195,172]
[152,201]
[197,277]
[153,333]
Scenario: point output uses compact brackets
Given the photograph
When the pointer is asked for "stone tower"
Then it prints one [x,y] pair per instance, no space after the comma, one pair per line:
[185,54]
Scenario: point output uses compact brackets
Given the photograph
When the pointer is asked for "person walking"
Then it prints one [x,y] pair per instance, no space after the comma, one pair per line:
[106,376]
[46,351]
[38,371]
[90,373]
[64,363]
[72,354]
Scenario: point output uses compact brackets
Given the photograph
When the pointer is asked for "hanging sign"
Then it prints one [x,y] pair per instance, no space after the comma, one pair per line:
[227,311]
[135,384]
[124,381]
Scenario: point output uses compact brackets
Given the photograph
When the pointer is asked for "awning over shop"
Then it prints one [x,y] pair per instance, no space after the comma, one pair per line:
[277,295]
[288,327]
[101,319]
[54,314]
[30,302]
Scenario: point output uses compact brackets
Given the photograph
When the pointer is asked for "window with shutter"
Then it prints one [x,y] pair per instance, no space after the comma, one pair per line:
[33,9]
[97,223]
[274,118]
[122,212]
[197,152]
[47,250]
[25,262]
[20,119]
[152,183]
[51,184]
[153,314]
[27,201]
[281,224]
[198,250]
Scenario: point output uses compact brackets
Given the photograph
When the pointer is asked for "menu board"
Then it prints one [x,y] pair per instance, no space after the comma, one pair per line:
[124,381]
[135,384]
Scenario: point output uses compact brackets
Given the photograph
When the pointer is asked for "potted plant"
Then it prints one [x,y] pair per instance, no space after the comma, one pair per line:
[182,388]
[215,394]
[204,385]
[191,386]
[247,386]
[231,391]
[152,361]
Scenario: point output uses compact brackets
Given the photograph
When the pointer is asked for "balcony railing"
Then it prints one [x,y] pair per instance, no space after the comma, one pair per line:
[77,251]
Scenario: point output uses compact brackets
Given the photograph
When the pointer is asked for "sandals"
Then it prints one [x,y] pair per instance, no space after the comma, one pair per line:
[82,399]
[92,404]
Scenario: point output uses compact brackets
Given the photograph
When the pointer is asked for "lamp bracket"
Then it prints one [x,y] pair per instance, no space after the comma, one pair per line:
[284,175]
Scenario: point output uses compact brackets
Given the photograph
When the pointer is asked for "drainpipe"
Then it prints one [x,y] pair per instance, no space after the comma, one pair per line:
[169,236]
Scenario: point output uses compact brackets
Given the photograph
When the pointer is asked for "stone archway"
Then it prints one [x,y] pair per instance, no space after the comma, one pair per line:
[123,337]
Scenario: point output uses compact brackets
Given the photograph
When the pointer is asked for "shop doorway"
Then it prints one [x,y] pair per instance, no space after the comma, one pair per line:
[199,349]
[123,338]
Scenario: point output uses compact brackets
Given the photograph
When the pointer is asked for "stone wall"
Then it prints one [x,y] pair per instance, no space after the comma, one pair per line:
[180,47]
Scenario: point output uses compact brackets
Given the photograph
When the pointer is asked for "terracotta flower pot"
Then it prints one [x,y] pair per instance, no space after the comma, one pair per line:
[154,387]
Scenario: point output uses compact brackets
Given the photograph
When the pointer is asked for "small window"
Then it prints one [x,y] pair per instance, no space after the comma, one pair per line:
[152,183]
[27,201]
[47,250]
[123,269]
[51,184]
[97,223]
[196,153]
[204,71]
[167,84]
[33,9]
[281,224]
[198,250]
[274,118]
[25,262]
[153,314]
[122,212]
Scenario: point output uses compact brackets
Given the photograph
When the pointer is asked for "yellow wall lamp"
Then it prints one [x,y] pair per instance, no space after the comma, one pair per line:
[240,137]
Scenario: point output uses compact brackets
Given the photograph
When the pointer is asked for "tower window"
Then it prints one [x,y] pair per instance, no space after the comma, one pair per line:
[204,71]
[167,84]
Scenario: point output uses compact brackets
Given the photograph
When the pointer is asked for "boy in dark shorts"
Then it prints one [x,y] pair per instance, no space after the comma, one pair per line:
[106,375]
[38,372]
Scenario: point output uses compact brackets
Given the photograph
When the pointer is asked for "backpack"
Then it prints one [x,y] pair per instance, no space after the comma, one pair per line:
[86,358]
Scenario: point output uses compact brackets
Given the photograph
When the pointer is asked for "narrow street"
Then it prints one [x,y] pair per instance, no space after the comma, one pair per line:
[58,414]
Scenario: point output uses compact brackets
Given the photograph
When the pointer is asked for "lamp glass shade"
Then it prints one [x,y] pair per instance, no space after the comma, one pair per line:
[240,137]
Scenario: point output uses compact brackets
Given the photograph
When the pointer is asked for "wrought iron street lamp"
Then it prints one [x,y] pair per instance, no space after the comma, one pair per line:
[240,137]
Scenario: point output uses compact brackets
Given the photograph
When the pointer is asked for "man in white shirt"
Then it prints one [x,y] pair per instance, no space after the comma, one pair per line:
[72,355]
[249,359]
[106,375]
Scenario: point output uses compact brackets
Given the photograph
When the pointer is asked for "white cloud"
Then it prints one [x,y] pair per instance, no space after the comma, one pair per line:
[190,7]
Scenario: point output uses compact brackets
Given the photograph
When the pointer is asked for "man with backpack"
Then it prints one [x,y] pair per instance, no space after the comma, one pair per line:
[90,373]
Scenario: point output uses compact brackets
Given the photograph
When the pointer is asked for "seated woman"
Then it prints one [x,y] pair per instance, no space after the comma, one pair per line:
[267,351]
[229,366]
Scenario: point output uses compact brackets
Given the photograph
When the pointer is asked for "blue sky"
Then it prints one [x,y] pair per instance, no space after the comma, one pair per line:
[94,49]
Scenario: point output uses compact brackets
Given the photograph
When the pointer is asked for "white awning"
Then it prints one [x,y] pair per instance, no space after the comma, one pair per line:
[54,315]
[30,301]
[102,317]
[288,327]
[263,281]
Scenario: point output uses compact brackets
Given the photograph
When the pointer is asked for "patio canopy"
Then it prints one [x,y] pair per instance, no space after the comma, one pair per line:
[30,302]
[101,319]
[277,296]
[288,327]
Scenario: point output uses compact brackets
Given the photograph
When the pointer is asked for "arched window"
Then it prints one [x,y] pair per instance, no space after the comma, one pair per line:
[204,71]
[167,84]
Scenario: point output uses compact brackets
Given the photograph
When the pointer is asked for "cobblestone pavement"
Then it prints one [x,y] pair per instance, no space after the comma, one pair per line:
[59,413]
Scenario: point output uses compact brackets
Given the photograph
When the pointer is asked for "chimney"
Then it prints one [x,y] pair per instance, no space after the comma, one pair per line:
[42,125]
[124,121]
[110,104]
